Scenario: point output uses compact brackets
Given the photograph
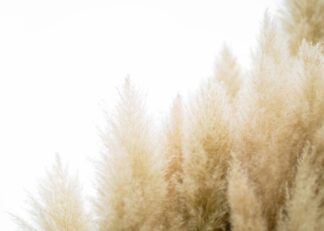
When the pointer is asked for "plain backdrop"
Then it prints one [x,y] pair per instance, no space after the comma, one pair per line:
[61,62]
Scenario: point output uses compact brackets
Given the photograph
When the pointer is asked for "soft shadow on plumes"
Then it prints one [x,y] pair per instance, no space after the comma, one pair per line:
[131,187]
[279,110]
[304,209]
[312,74]
[173,151]
[173,140]
[270,130]
[245,207]
[206,146]
[303,19]
[59,206]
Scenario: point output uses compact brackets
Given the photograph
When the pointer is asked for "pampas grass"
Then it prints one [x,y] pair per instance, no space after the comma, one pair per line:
[303,20]
[304,209]
[131,187]
[207,147]
[245,152]
[59,206]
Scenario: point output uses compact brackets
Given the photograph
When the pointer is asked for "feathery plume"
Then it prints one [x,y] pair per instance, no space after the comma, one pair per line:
[304,209]
[245,207]
[59,206]
[312,74]
[303,20]
[207,145]
[173,143]
[227,71]
[173,151]
[131,188]
[270,131]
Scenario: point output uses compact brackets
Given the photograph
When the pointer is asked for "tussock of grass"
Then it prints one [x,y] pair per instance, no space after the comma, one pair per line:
[246,152]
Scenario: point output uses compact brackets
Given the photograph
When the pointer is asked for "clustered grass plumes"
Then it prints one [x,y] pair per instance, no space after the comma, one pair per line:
[246,152]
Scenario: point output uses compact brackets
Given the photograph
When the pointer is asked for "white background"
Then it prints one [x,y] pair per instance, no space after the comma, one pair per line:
[62,60]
